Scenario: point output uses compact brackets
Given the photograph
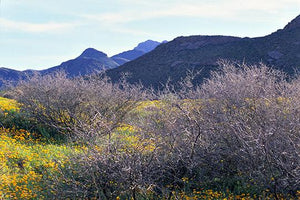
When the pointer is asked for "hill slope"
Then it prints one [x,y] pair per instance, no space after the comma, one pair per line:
[90,61]
[280,49]
[141,49]
[12,76]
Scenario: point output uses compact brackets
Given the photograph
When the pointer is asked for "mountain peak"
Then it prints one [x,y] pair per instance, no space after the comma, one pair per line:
[147,46]
[295,23]
[92,53]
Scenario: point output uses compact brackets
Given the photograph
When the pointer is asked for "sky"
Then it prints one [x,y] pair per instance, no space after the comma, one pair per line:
[38,34]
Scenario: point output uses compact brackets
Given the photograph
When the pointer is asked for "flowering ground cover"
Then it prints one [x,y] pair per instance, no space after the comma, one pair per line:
[27,163]
[30,165]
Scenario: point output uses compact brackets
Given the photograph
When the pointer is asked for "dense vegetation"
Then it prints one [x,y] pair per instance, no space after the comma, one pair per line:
[237,136]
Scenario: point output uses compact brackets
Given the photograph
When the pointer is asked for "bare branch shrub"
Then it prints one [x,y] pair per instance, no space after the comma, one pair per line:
[240,128]
[251,123]
[242,124]
[81,107]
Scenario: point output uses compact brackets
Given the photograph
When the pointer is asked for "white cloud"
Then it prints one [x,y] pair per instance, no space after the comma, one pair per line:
[275,14]
[11,25]
[131,31]
[223,9]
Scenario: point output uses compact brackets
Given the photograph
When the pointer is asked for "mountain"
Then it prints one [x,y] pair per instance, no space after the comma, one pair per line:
[147,46]
[10,75]
[172,60]
[127,56]
[90,61]
[138,51]
[280,49]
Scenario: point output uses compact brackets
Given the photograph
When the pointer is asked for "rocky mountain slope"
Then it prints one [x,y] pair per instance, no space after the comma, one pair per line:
[280,49]
[90,61]
[138,51]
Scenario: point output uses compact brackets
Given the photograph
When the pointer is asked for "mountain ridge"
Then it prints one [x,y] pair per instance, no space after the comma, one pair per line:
[92,53]
[89,61]
[141,49]
[295,23]
[172,60]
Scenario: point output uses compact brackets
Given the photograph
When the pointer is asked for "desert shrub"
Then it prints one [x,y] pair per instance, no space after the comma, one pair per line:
[248,122]
[135,163]
[237,82]
[14,119]
[238,132]
[11,118]
[106,174]
[81,107]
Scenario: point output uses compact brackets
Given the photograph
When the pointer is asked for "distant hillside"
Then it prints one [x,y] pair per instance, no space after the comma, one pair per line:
[138,51]
[147,46]
[127,56]
[12,76]
[280,49]
[90,61]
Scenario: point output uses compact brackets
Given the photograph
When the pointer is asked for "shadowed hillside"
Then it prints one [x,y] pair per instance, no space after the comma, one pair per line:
[90,61]
[173,59]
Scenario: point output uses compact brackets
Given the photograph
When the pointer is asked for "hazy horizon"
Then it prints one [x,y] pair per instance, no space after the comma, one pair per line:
[41,34]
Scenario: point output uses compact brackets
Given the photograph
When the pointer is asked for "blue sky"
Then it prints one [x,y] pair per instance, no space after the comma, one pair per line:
[37,34]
